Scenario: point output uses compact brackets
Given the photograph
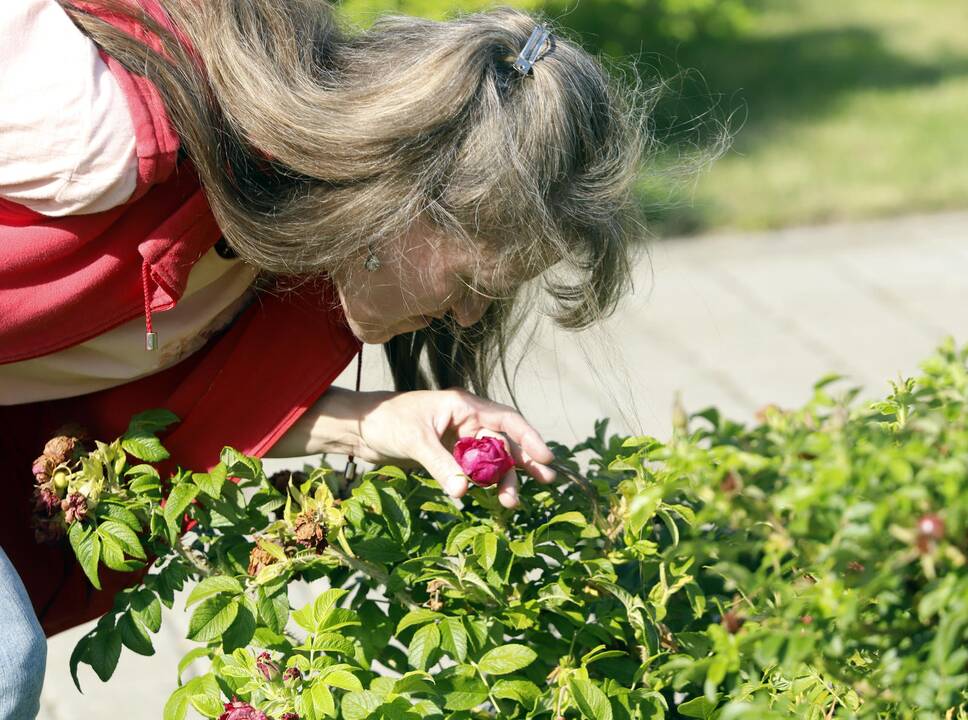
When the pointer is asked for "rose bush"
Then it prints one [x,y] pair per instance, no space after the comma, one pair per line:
[812,565]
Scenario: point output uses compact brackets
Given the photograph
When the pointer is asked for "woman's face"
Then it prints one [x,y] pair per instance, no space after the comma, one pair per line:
[420,278]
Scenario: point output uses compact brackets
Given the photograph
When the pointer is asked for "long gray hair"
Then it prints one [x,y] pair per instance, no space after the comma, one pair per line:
[313,143]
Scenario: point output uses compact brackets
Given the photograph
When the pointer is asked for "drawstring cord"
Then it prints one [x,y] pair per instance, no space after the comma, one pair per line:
[349,474]
[151,337]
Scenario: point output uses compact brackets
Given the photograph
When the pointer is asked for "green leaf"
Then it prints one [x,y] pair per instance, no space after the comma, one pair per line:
[105,649]
[420,616]
[241,466]
[343,680]
[571,518]
[134,636]
[274,609]
[87,548]
[359,705]
[485,546]
[211,482]
[179,499]
[698,707]
[213,586]
[240,632]
[207,704]
[119,514]
[524,692]
[190,657]
[212,618]
[465,693]
[144,447]
[453,638]
[79,655]
[507,659]
[424,642]
[591,701]
[151,421]
[177,706]
[124,535]
[111,553]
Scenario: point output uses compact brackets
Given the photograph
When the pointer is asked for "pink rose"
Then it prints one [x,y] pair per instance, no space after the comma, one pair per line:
[238,710]
[484,460]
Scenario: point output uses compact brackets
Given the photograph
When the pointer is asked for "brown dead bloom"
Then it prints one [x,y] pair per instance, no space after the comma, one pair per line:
[310,531]
[61,449]
[259,559]
[74,507]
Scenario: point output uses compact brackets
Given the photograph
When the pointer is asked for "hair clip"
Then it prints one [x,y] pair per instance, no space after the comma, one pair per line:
[534,49]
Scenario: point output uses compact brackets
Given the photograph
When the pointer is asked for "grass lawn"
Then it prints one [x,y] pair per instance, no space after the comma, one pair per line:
[843,110]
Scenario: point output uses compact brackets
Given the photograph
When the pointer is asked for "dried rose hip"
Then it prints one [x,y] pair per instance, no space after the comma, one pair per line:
[484,460]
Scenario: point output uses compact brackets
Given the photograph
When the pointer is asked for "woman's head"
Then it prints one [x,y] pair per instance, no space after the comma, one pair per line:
[417,141]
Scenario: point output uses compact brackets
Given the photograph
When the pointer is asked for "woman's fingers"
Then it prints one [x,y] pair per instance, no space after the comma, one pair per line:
[507,490]
[441,465]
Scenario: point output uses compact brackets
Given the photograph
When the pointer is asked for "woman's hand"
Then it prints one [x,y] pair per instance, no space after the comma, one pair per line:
[422,427]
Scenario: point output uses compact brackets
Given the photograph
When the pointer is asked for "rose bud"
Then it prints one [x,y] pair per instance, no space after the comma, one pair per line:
[238,710]
[43,467]
[289,716]
[484,460]
[61,449]
[266,666]
[309,531]
[74,507]
[291,674]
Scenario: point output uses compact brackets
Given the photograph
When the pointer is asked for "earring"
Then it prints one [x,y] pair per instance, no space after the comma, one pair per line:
[372,262]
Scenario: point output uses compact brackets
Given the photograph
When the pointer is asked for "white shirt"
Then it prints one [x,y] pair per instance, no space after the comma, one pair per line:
[67,146]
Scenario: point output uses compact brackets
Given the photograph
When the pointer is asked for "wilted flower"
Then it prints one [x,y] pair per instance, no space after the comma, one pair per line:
[42,468]
[259,559]
[74,507]
[291,674]
[238,710]
[61,449]
[289,716]
[484,460]
[266,666]
[309,531]
[46,500]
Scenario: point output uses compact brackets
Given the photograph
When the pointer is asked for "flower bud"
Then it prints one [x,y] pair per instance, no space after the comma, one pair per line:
[289,716]
[266,666]
[291,674]
[484,460]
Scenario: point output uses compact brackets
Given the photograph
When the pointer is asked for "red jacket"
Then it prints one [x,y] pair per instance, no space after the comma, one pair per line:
[65,280]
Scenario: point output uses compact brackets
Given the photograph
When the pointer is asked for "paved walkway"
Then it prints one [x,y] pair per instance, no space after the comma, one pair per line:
[736,321]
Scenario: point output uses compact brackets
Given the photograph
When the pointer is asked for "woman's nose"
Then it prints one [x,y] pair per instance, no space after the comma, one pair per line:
[470,310]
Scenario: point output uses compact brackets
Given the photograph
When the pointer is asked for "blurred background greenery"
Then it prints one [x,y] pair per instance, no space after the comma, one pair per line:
[838,110]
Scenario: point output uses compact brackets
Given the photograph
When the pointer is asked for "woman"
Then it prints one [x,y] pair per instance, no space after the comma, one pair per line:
[258,192]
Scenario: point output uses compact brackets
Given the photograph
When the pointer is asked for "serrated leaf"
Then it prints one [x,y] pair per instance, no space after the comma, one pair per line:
[104,650]
[151,421]
[274,609]
[211,482]
[343,680]
[213,586]
[124,535]
[190,657]
[177,706]
[453,638]
[507,659]
[134,636]
[119,514]
[424,642]
[524,692]
[178,500]
[485,547]
[240,632]
[87,548]
[212,618]
[419,616]
[79,655]
[591,701]
[144,447]
[466,693]
[698,707]
[207,704]
[359,705]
